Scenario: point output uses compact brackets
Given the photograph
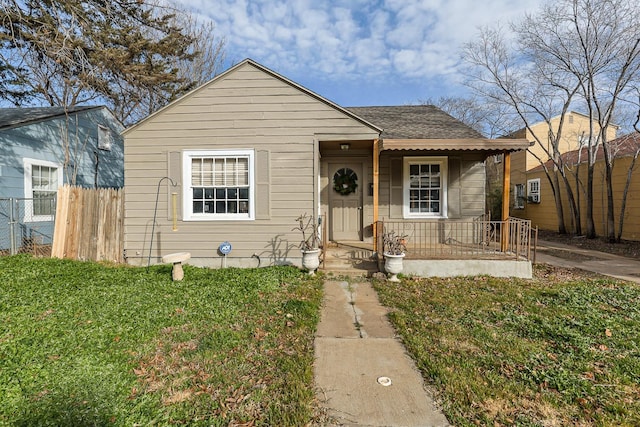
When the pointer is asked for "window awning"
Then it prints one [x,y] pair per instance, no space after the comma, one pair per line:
[471,144]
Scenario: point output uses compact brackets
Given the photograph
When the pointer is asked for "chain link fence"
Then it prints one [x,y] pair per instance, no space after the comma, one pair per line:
[26,226]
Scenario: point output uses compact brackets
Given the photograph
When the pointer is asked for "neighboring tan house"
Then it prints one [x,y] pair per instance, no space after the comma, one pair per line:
[44,148]
[250,151]
[527,194]
[625,148]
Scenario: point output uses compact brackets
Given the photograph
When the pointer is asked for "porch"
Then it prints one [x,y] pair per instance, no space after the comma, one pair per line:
[442,248]
[478,238]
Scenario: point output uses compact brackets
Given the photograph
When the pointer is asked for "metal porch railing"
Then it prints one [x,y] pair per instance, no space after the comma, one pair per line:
[478,238]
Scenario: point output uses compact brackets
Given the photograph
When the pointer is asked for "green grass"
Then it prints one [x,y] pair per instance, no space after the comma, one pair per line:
[89,344]
[561,349]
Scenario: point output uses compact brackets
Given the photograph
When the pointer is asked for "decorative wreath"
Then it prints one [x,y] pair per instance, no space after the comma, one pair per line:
[345,181]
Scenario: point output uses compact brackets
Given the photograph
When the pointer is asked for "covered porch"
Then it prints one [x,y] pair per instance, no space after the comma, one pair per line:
[443,248]
[424,178]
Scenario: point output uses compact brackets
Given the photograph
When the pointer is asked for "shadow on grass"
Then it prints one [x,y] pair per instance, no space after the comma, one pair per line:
[85,404]
[65,411]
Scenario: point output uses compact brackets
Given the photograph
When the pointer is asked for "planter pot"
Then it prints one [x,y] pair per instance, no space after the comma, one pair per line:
[393,266]
[311,260]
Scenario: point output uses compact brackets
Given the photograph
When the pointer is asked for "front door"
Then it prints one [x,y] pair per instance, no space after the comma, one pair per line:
[345,200]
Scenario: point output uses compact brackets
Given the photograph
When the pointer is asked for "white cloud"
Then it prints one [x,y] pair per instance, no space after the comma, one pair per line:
[356,39]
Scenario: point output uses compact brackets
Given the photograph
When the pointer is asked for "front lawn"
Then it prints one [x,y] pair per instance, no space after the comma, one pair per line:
[88,344]
[561,349]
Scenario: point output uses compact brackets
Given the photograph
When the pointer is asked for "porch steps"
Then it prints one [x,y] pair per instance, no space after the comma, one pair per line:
[349,259]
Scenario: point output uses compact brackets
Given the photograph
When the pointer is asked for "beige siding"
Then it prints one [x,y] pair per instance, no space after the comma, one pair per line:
[246,108]
[466,184]
[472,186]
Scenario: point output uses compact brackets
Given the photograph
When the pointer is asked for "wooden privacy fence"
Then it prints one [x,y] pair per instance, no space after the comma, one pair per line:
[89,224]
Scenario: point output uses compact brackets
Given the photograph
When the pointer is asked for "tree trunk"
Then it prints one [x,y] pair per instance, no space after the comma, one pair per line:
[611,226]
[625,192]
[575,209]
[578,215]
[591,226]
[555,184]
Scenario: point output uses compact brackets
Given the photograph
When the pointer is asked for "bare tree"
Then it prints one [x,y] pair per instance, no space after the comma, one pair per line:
[208,48]
[579,54]
[597,42]
[501,73]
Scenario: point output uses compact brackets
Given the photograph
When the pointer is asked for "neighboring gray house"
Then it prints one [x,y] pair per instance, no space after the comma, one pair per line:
[251,150]
[44,148]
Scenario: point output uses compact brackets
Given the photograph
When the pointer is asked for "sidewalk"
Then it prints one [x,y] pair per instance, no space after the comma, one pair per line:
[357,354]
[561,255]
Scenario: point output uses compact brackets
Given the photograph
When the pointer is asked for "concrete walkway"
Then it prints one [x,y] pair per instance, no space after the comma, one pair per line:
[363,374]
[561,255]
[357,352]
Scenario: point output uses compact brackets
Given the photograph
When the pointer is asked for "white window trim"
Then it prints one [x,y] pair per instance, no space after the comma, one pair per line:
[531,194]
[187,205]
[443,161]
[105,142]
[28,186]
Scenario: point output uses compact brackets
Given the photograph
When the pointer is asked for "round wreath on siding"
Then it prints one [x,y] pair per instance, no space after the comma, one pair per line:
[345,181]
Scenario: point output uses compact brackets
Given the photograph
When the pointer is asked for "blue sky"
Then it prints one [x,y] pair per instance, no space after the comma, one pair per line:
[359,52]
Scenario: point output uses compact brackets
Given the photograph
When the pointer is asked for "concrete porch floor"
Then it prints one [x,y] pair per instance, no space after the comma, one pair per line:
[357,259]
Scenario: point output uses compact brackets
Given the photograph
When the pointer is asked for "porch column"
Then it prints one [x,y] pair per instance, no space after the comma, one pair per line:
[506,187]
[376,182]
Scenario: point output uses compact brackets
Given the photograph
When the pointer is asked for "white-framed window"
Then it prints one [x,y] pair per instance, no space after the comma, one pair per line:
[218,185]
[41,181]
[425,187]
[519,196]
[533,190]
[104,138]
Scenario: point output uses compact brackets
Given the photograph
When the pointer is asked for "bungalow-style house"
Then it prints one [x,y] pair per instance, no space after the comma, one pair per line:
[626,148]
[238,159]
[44,148]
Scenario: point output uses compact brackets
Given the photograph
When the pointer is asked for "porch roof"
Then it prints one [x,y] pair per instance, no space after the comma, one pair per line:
[468,144]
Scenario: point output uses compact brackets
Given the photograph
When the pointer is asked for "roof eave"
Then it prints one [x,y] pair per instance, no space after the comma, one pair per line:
[44,118]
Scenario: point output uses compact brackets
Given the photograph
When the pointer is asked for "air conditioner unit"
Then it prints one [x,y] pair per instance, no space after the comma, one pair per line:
[534,198]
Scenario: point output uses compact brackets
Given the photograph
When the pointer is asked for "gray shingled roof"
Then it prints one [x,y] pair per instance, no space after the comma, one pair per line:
[20,116]
[415,122]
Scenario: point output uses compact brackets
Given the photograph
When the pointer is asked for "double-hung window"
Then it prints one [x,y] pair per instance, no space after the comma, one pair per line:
[219,185]
[533,190]
[41,181]
[425,187]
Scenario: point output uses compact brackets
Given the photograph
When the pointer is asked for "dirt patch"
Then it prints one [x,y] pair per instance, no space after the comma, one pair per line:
[628,248]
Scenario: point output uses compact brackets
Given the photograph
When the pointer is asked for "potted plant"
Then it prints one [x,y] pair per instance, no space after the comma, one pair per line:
[394,250]
[310,244]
